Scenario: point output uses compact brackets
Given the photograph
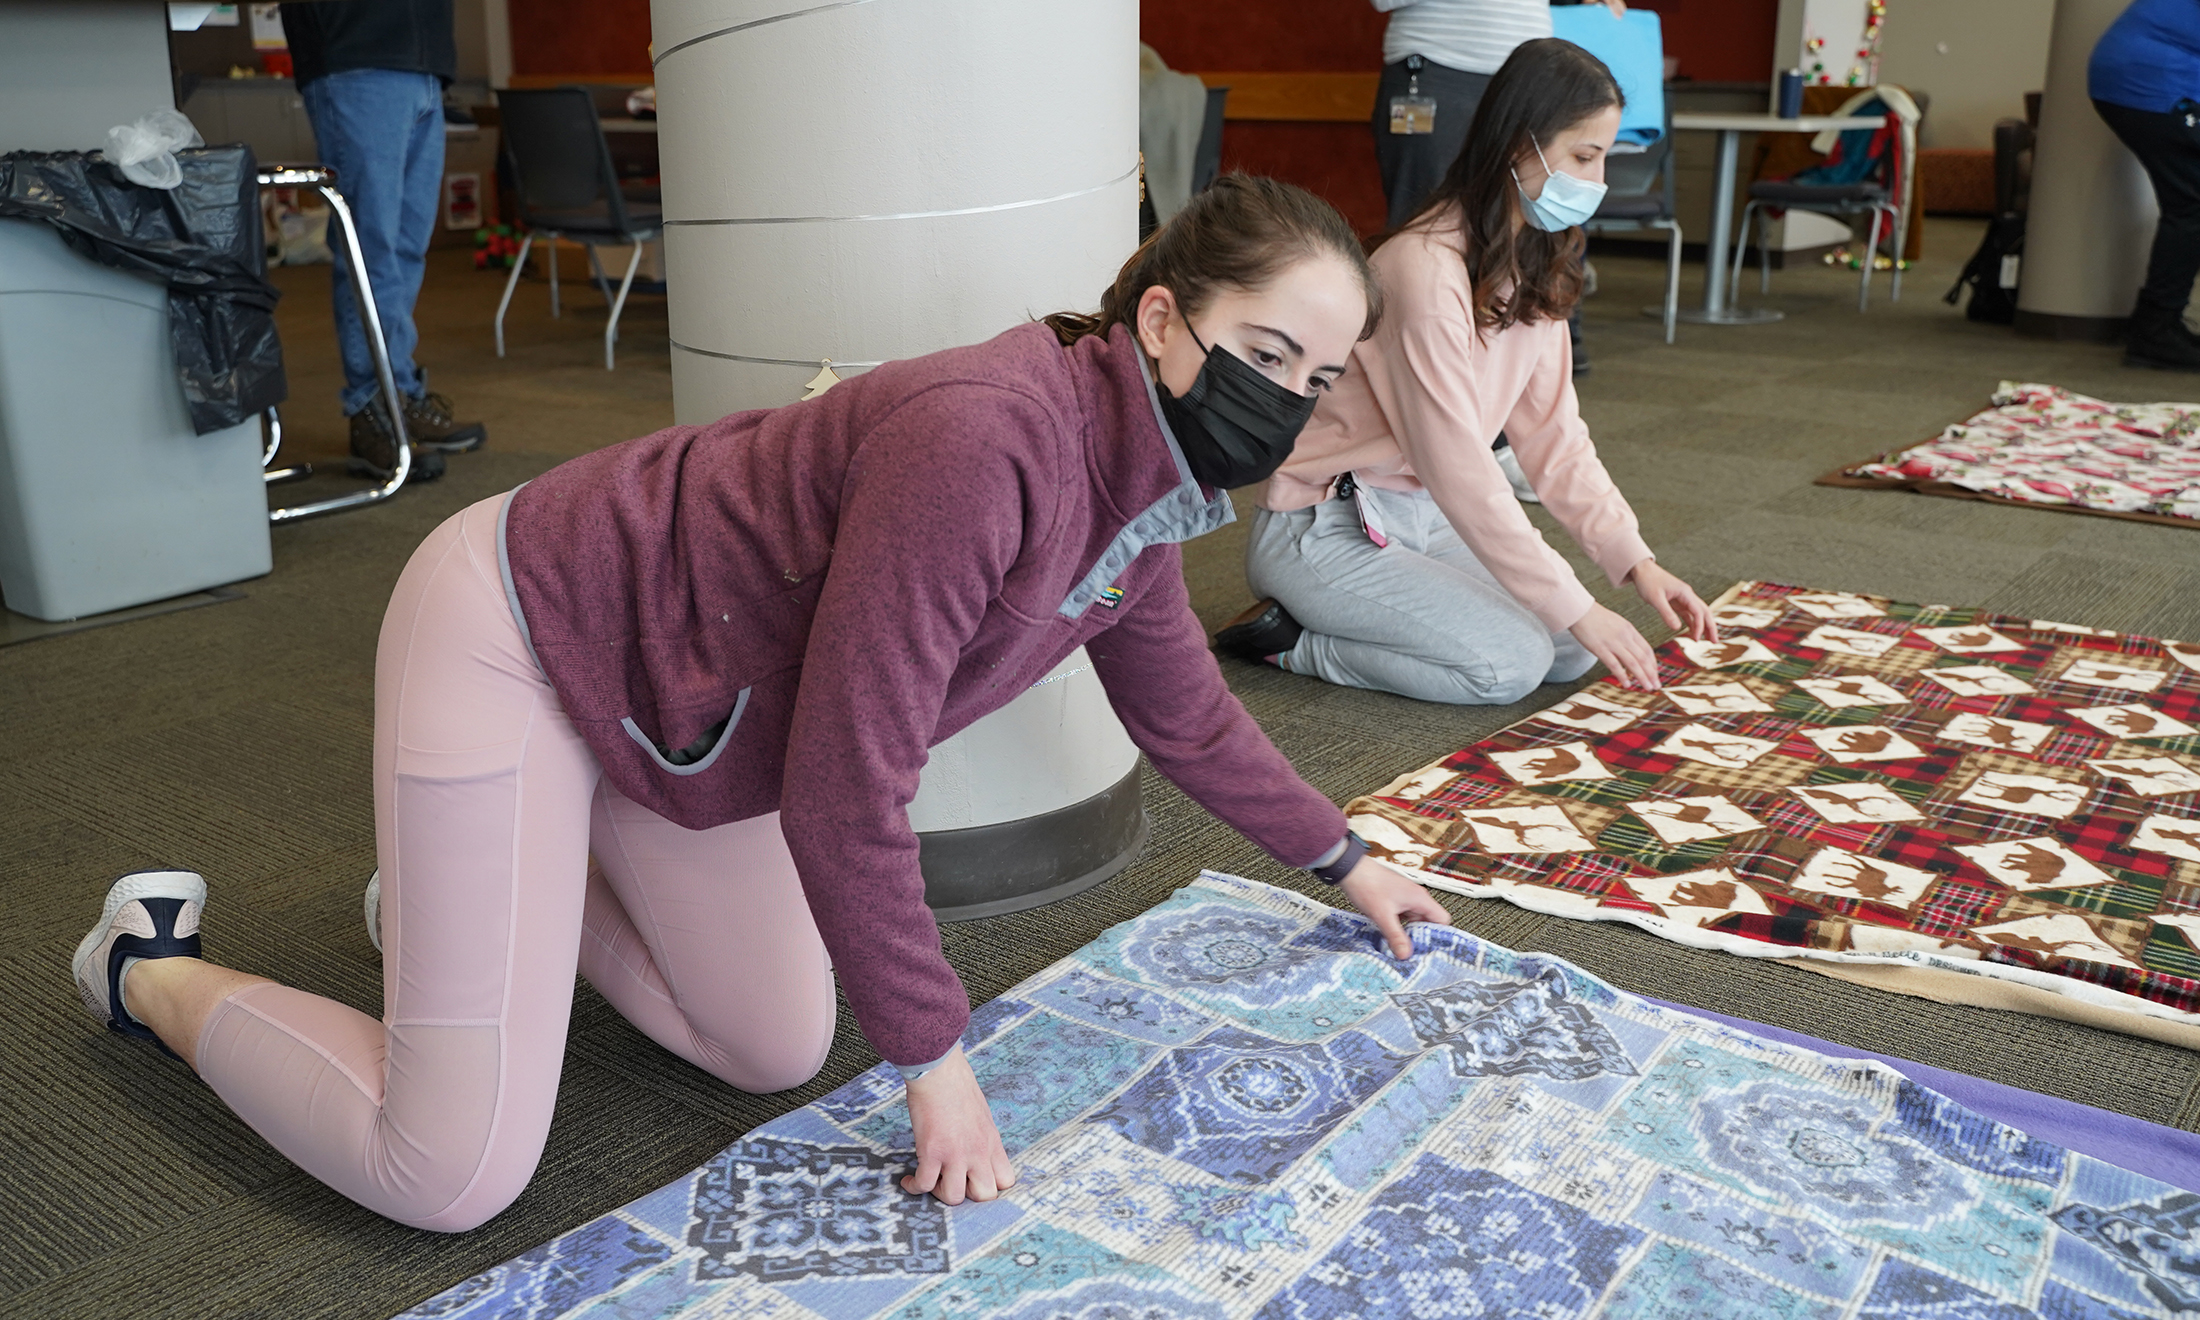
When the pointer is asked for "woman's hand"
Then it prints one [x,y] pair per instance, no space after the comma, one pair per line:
[1674,600]
[1614,640]
[1389,899]
[959,1151]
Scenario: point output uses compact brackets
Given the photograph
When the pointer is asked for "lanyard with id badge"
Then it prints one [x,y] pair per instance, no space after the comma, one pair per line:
[1371,520]
[1413,112]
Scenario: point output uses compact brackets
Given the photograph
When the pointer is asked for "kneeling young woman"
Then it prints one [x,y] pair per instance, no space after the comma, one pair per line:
[713,659]
[1391,548]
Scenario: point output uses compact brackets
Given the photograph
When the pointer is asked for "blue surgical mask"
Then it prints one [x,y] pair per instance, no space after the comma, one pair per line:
[1566,200]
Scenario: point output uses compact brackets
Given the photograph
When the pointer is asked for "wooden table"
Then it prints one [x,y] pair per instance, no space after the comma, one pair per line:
[1718,300]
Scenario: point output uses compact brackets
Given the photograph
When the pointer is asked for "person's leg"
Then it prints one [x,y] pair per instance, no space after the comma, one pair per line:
[2168,148]
[430,422]
[434,1116]
[702,938]
[1442,543]
[366,125]
[1392,618]
[1412,164]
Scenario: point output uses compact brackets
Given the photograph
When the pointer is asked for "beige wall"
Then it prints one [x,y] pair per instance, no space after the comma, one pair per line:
[1976,57]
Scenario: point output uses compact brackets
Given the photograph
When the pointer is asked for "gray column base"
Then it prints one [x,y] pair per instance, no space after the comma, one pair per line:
[2083,329]
[991,870]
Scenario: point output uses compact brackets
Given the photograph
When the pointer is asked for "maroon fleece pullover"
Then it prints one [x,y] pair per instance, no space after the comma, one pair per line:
[845,582]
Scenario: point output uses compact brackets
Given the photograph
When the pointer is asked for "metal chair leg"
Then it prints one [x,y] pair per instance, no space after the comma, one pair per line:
[1871,257]
[377,348]
[1899,218]
[272,424]
[551,245]
[611,330]
[511,281]
[1672,277]
[1764,253]
[1741,247]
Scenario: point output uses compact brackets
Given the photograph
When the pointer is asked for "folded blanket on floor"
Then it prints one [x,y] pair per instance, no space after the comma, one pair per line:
[1238,1105]
[2045,446]
[1853,780]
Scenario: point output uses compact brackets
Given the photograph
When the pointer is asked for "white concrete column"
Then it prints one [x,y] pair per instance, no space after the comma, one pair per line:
[865,180]
[2093,212]
[868,180]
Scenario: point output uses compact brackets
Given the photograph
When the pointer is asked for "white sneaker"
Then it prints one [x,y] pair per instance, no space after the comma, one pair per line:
[374,908]
[148,914]
[1509,463]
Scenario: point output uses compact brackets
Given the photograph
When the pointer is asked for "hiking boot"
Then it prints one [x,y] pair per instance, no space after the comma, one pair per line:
[1265,630]
[2159,340]
[148,914]
[374,450]
[430,425]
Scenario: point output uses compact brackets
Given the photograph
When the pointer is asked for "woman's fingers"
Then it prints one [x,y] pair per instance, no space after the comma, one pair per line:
[925,1178]
[1643,661]
[1424,907]
[1394,933]
[1390,899]
[959,1151]
[1699,617]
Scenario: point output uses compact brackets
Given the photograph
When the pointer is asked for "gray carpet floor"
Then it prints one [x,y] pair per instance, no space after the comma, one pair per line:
[234,739]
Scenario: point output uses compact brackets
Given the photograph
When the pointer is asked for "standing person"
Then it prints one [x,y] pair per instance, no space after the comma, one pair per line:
[713,659]
[1442,52]
[2144,79]
[1390,547]
[372,73]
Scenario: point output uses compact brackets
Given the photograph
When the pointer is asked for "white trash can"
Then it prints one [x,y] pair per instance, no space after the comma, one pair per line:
[1033,803]
[107,499]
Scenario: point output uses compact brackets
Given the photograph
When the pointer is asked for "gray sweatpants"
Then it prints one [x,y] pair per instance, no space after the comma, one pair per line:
[1421,616]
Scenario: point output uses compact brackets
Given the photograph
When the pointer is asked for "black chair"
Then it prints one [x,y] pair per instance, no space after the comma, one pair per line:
[566,187]
[1880,197]
[1638,195]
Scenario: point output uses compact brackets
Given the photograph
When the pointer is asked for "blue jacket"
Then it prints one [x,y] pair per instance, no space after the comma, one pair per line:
[2149,59]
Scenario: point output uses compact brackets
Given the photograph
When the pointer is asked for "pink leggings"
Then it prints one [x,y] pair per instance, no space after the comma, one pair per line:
[487,807]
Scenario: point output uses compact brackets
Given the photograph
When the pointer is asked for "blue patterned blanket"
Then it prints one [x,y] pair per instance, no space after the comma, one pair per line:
[1237,1105]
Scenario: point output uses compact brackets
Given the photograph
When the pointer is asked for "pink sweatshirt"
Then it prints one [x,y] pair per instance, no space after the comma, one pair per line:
[1420,406]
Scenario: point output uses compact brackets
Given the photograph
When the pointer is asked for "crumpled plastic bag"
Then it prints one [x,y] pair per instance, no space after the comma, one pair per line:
[145,151]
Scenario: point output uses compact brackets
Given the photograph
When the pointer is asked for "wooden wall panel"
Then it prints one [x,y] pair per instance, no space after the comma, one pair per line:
[556,41]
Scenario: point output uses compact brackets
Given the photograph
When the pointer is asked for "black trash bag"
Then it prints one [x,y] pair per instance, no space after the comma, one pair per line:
[201,239]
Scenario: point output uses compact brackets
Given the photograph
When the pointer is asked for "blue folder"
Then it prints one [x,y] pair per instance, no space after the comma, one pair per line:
[1633,48]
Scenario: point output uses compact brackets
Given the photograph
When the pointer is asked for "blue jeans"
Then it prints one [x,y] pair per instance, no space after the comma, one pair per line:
[382,130]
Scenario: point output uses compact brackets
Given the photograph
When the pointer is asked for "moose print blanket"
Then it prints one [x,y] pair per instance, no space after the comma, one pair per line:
[1237,1105]
[1851,779]
[2042,445]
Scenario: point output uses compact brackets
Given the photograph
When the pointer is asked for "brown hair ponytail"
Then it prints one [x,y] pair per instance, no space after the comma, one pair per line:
[1240,233]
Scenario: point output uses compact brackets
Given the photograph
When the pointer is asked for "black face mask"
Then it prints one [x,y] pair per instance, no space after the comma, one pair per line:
[1235,425]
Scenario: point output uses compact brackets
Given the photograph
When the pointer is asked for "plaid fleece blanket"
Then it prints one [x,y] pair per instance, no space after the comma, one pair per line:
[1849,778]
[1237,1105]
[2042,445]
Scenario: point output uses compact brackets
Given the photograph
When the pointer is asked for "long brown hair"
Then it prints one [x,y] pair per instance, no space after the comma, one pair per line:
[1240,233]
[1520,273]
